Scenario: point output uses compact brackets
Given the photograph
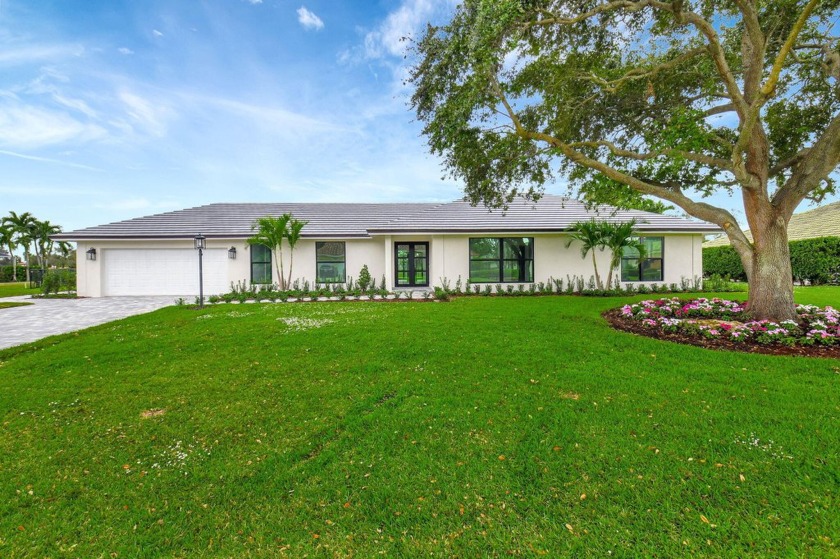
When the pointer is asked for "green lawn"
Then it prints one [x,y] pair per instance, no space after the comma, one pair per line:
[13,289]
[8,305]
[477,428]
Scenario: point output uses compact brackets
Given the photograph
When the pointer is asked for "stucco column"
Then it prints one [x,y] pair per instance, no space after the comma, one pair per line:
[389,262]
[438,268]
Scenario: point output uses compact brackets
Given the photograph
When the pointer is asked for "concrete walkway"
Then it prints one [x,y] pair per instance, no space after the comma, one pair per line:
[48,317]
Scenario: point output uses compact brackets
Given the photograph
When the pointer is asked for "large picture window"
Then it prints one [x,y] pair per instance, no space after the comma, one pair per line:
[330,262]
[648,268]
[502,260]
[260,264]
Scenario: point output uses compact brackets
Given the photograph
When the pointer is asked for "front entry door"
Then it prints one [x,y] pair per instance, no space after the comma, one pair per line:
[412,264]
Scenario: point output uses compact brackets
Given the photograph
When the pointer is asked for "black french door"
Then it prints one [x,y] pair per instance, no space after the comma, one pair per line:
[411,262]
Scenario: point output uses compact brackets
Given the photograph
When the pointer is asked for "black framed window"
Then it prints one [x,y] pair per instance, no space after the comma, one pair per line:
[260,264]
[330,262]
[502,260]
[649,268]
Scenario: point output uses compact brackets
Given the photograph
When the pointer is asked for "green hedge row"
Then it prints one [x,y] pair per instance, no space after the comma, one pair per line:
[814,260]
[6,273]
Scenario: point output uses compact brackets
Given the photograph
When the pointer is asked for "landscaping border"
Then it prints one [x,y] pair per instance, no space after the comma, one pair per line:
[628,324]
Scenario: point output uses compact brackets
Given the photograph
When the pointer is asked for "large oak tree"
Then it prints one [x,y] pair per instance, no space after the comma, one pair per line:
[673,99]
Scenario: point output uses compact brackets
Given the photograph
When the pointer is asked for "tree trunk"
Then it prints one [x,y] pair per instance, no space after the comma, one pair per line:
[597,277]
[771,281]
[14,266]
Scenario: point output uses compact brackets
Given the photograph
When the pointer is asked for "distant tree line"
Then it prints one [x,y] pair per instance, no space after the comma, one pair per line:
[24,231]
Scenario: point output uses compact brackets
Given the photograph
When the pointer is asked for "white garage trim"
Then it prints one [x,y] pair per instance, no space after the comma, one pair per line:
[162,271]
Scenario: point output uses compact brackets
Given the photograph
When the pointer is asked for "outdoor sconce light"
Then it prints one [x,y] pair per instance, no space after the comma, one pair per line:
[200,244]
[232,253]
[91,254]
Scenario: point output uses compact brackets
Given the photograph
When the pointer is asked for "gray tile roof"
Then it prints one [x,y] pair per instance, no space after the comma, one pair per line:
[550,214]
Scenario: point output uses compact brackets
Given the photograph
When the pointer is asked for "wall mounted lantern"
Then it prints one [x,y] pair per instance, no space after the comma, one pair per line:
[91,254]
[232,253]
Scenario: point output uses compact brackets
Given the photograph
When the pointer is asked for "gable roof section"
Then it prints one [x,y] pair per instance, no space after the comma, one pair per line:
[235,220]
[550,214]
[819,222]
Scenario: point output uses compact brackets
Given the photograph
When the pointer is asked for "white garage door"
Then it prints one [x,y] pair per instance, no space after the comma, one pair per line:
[162,272]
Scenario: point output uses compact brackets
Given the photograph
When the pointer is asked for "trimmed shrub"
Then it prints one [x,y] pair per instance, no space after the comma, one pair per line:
[724,262]
[58,280]
[816,260]
[6,273]
[813,260]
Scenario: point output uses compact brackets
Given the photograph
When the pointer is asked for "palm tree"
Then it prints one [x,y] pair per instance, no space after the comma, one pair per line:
[293,236]
[42,230]
[23,226]
[7,240]
[270,231]
[619,237]
[591,236]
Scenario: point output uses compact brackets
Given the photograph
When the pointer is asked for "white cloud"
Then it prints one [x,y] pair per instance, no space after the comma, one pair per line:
[254,2]
[308,19]
[152,116]
[35,53]
[405,21]
[25,126]
[47,160]
[125,50]
[157,33]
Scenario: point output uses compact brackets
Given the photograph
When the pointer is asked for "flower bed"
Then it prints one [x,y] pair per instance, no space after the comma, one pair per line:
[722,323]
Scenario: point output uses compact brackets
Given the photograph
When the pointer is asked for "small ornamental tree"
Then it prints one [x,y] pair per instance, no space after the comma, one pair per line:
[271,231]
[619,237]
[293,234]
[364,280]
[675,99]
[590,235]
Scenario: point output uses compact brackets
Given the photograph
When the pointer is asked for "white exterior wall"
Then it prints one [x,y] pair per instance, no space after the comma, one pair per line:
[448,258]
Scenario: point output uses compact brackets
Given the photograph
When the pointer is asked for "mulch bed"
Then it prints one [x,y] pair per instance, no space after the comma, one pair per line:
[626,324]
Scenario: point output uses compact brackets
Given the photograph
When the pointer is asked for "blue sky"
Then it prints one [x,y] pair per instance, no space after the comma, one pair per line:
[115,109]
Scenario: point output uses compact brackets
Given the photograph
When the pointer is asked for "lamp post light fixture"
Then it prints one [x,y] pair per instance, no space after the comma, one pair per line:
[91,254]
[232,253]
[200,243]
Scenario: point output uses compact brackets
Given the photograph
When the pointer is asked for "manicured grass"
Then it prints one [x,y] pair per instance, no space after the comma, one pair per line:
[822,295]
[12,304]
[477,428]
[14,289]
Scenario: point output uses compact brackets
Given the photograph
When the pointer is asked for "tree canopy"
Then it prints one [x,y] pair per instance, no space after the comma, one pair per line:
[673,99]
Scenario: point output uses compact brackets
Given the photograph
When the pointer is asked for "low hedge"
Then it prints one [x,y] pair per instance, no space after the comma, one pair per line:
[6,273]
[816,261]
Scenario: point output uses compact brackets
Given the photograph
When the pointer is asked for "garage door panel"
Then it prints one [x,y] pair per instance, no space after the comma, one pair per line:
[162,271]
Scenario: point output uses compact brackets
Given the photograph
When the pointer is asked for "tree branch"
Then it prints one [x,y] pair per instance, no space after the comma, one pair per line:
[720,109]
[822,158]
[704,27]
[641,73]
[691,156]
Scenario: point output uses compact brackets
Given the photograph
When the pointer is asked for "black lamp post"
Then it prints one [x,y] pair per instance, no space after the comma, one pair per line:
[200,245]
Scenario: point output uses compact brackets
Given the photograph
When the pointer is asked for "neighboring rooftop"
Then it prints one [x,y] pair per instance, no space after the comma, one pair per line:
[823,221]
[549,214]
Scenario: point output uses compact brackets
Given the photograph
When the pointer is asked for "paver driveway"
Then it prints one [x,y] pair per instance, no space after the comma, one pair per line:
[48,317]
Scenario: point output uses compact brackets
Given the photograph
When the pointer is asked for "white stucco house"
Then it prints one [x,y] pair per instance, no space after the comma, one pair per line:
[412,245]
